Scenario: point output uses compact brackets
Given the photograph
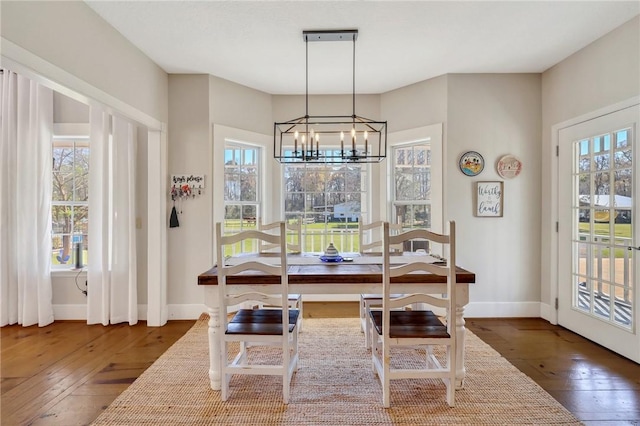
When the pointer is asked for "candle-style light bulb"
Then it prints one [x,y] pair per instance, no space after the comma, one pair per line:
[317,144]
[366,135]
[295,143]
[342,142]
[304,138]
[353,140]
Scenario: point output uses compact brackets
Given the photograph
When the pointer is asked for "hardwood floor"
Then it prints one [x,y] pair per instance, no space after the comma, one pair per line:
[68,372]
[598,386]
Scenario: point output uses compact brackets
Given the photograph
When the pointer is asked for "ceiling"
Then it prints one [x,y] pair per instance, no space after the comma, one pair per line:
[259,43]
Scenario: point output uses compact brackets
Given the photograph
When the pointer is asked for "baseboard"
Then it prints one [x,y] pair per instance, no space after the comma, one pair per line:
[186,312]
[502,310]
[70,312]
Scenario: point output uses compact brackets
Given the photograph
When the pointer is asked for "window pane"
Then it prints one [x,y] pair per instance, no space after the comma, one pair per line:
[404,186]
[62,186]
[622,138]
[231,187]
[80,220]
[248,184]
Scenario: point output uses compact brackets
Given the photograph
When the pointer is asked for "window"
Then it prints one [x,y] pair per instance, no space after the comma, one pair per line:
[70,198]
[241,188]
[328,199]
[412,188]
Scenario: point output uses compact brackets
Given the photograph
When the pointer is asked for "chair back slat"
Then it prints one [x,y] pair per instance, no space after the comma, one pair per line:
[371,236]
[410,299]
[417,266]
[253,265]
[293,236]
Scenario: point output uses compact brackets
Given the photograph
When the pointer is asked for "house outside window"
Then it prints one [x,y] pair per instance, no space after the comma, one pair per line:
[70,199]
[328,199]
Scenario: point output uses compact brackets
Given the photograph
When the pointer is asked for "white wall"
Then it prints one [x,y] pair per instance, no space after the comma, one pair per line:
[494,114]
[497,114]
[602,74]
[72,37]
[189,245]
[417,105]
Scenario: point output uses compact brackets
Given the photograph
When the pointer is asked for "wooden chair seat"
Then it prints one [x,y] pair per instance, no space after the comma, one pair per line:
[411,324]
[263,322]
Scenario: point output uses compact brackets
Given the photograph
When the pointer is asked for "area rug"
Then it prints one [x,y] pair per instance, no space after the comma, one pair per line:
[334,385]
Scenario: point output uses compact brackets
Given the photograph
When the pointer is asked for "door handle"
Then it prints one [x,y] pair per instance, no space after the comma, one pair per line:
[634,248]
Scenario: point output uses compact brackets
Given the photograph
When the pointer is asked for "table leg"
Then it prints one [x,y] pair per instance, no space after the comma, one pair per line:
[460,337]
[214,347]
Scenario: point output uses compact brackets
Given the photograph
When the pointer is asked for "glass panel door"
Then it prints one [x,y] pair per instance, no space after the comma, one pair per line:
[598,231]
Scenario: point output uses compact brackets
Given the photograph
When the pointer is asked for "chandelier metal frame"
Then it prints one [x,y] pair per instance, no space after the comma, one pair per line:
[299,140]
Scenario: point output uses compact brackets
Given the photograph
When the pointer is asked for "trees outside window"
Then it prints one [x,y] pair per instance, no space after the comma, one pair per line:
[70,198]
[241,187]
[412,185]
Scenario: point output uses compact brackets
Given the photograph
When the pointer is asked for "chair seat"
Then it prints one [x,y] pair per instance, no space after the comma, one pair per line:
[260,322]
[411,324]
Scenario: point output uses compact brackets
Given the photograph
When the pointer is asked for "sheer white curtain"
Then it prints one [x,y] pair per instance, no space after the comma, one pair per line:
[25,201]
[112,284]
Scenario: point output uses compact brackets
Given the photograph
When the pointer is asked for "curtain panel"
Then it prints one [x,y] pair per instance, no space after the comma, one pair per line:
[25,201]
[112,282]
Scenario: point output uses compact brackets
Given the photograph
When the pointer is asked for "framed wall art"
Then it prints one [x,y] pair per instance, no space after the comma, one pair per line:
[489,199]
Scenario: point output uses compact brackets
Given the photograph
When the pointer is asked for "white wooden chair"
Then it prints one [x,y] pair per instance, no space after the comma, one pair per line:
[294,245]
[370,241]
[268,327]
[416,328]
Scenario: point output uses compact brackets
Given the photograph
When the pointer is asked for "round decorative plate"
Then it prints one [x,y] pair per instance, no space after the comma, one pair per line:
[471,163]
[509,166]
[331,258]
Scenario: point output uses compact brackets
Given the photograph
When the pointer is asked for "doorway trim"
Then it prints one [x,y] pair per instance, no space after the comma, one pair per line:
[548,310]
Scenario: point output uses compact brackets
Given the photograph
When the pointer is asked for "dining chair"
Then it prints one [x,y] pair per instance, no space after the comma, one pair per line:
[371,240]
[294,245]
[422,328]
[254,328]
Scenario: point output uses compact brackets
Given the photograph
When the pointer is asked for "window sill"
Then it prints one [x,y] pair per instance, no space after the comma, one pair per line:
[68,273]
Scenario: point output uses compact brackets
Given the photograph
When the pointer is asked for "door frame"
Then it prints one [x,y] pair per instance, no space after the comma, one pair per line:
[550,311]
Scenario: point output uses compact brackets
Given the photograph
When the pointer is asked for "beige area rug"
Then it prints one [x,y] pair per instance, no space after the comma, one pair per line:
[333,386]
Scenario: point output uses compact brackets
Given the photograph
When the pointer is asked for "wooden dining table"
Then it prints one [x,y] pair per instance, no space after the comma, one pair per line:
[309,275]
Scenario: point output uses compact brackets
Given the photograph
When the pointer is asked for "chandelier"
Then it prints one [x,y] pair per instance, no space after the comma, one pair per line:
[330,138]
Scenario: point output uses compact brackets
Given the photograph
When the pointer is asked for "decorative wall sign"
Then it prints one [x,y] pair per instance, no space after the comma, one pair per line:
[471,163]
[186,186]
[489,197]
[509,166]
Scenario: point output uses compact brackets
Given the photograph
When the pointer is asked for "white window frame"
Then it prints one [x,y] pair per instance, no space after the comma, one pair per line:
[433,135]
[68,132]
[270,182]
